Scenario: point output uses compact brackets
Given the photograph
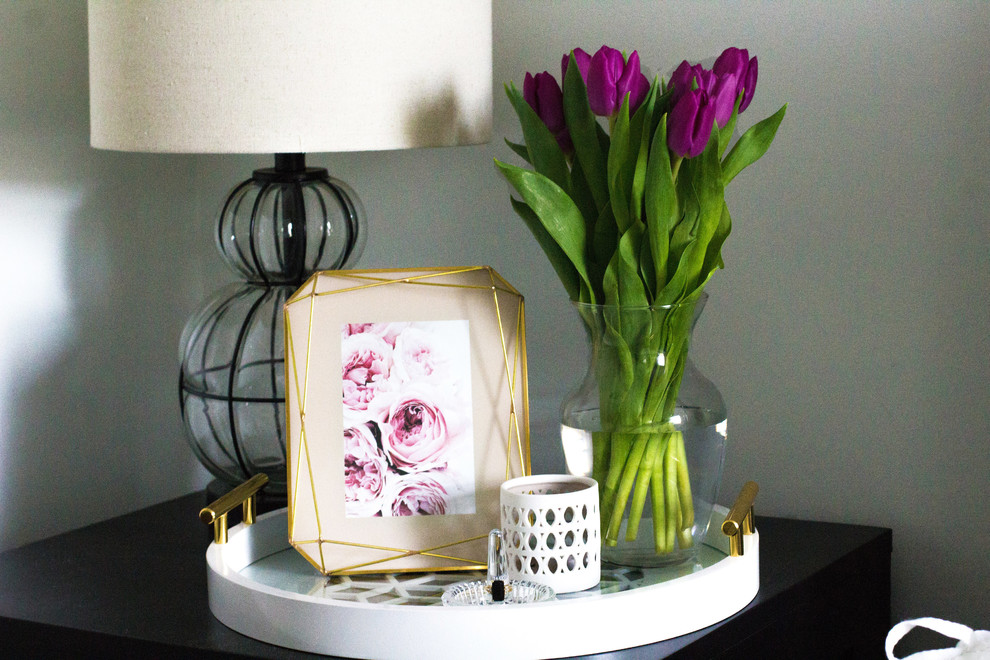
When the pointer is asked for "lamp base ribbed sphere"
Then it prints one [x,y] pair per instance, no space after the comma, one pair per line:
[274,231]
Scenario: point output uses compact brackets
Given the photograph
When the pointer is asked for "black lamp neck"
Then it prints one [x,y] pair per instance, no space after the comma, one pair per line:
[289,168]
[293,163]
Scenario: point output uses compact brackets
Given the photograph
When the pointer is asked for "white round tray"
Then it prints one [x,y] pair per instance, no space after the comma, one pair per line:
[261,587]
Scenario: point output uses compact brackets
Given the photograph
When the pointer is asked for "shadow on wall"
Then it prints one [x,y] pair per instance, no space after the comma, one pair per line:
[96,252]
[445,121]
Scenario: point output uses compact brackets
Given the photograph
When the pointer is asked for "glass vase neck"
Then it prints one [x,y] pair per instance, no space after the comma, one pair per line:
[595,315]
[696,301]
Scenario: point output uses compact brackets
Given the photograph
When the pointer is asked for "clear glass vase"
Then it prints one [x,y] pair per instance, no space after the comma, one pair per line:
[650,428]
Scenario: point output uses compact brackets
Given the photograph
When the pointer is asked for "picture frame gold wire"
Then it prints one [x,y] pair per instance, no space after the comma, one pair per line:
[349,517]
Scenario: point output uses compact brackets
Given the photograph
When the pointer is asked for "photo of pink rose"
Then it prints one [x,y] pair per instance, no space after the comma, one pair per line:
[367,366]
[417,495]
[365,470]
[419,359]
[416,437]
[387,331]
[409,439]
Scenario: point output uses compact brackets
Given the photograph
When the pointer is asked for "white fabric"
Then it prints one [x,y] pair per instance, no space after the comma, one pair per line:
[259,76]
[973,644]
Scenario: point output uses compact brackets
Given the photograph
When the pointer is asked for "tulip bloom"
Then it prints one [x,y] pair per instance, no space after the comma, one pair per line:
[736,61]
[543,94]
[690,123]
[611,77]
[583,63]
[722,89]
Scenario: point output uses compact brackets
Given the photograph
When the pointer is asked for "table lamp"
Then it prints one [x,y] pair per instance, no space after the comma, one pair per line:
[287,78]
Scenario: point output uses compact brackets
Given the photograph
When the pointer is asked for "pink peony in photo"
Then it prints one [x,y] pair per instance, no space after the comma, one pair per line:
[365,470]
[417,495]
[415,432]
[367,365]
[387,331]
[409,443]
[419,358]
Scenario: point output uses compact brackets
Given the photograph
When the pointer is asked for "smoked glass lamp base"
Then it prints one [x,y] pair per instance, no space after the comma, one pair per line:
[274,231]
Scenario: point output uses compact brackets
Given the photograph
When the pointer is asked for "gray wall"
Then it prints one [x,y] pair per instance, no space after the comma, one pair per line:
[848,334]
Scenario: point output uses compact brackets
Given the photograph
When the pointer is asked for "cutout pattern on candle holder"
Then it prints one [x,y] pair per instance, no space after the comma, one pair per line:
[551,531]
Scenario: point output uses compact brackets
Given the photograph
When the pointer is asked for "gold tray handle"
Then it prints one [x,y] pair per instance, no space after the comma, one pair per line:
[216,513]
[739,522]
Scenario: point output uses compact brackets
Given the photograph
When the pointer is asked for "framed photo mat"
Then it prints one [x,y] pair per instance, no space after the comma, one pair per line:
[470,312]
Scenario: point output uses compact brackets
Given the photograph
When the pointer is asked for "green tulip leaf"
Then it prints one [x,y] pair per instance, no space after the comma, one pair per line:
[605,242]
[713,256]
[751,145]
[725,133]
[622,282]
[582,197]
[557,213]
[561,264]
[647,267]
[641,130]
[685,231]
[660,203]
[689,238]
[662,105]
[520,150]
[681,283]
[586,134]
[706,183]
[619,379]
[544,153]
[711,192]
[619,167]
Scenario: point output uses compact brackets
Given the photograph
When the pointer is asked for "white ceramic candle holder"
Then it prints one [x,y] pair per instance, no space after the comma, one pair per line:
[551,531]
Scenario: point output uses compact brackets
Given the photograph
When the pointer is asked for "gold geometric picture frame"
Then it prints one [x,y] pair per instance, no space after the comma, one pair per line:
[477,321]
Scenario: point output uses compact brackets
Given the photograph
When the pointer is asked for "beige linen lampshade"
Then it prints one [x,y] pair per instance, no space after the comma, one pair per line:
[288,76]
[282,77]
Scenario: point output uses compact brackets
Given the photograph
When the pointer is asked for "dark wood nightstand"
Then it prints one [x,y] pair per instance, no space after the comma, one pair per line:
[135,587]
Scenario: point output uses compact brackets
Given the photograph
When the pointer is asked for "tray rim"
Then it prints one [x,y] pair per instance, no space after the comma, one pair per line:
[312,623]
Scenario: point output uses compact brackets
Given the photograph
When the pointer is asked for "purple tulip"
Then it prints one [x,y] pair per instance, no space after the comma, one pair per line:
[736,61]
[611,77]
[543,94]
[681,80]
[722,89]
[583,63]
[689,123]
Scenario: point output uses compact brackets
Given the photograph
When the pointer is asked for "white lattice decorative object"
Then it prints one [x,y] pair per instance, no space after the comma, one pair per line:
[550,529]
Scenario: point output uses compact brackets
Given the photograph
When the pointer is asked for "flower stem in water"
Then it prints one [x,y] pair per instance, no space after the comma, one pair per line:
[643,478]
